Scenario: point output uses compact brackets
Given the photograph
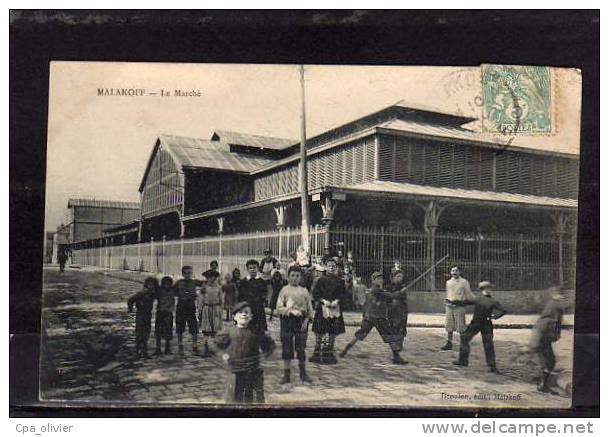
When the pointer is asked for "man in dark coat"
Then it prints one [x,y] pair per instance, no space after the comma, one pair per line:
[253,290]
[328,296]
[485,309]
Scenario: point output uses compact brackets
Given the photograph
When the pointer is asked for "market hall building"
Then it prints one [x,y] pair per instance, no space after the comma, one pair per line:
[400,183]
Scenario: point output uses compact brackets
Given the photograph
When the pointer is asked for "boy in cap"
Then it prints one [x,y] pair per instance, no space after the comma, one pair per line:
[163,323]
[485,309]
[186,308]
[143,301]
[545,332]
[242,348]
[376,315]
[458,294]
[295,310]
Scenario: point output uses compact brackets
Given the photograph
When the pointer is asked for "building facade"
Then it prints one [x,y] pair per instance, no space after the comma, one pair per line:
[400,171]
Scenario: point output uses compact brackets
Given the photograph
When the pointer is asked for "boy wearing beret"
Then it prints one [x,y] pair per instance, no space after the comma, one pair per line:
[376,315]
[242,347]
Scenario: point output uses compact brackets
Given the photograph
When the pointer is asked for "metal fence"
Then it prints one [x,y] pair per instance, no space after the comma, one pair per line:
[521,261]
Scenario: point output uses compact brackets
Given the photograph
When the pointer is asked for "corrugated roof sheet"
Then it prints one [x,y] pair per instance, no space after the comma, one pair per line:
[456,193]
[258,141]
[448,132]
[195,152]
[96,203]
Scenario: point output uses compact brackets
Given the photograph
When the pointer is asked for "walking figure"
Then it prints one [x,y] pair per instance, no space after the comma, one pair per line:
[376,315]
[458,293]
[143,301]
[242,348]
[485,309]
[546,331]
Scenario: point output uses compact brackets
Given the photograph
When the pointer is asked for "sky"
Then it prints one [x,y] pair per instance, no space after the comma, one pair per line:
[98,146]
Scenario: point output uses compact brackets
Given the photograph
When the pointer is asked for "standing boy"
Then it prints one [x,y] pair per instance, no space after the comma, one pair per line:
[485,309]
[242,353]
[458,293]
[329,295]
[163,323]
[376,315]
[295,310]
[143,301]
[253,290]
[186,308]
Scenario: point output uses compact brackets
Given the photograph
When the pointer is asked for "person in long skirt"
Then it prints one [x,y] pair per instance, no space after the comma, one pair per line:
[398,308]
[211,302]
[329,296]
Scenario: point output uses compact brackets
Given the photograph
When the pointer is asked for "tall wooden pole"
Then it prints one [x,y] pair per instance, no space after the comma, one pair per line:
[304,189]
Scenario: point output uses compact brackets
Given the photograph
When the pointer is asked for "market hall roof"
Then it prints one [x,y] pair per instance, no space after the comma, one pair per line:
[205,154]
[255,141]
[399,189]
[97,203]
[426,191]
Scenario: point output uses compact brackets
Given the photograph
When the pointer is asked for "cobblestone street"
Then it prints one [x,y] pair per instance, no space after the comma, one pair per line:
[88,355]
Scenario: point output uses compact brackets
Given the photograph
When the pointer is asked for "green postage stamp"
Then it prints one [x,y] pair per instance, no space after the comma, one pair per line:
[517,99]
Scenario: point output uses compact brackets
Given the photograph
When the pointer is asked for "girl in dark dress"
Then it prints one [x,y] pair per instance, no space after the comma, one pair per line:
[329,296]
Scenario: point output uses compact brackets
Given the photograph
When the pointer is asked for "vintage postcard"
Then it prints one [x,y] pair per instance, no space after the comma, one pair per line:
[330,236]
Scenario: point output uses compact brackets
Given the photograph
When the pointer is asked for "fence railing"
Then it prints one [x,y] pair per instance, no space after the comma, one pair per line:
[521,261]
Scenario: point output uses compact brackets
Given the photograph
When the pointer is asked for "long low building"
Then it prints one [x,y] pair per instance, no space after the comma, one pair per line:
[399,169]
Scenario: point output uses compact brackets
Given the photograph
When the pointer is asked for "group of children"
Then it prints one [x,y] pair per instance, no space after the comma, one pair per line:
[302,299]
